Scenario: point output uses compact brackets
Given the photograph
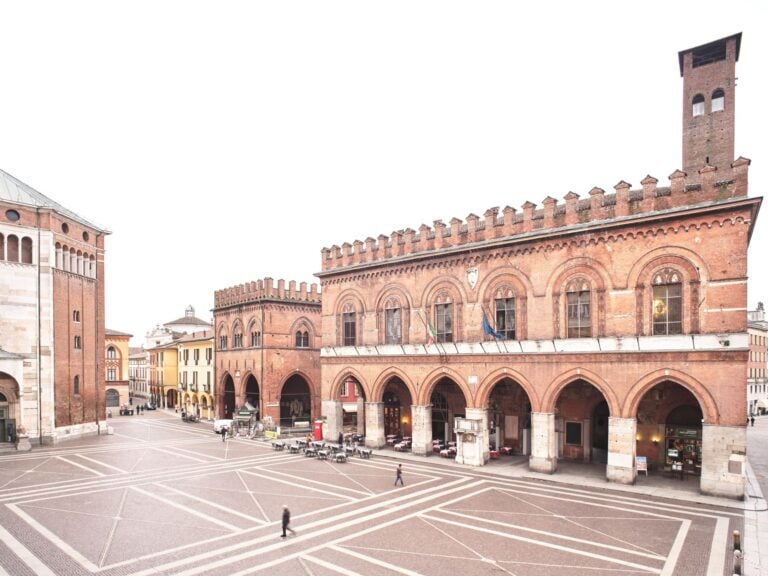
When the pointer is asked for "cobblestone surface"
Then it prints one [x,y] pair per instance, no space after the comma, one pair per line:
[162,497]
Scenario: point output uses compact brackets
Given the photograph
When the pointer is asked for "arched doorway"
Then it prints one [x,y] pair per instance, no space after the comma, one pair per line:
[509,417]
[600,416]
[229,406]
[112,398]
[295,403]
[352,398]
[397,409]
[448,403]
[669,427]
[252,395]
[576,406]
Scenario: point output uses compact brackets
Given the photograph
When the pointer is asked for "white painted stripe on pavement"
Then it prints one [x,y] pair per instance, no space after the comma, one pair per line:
[716,565]
[555,535]
[676,548]
[332,567]
[376,561]
[34,563]
[186,509]
[104,464]
[91,470]
[535,542]
[207,502]
[55,540]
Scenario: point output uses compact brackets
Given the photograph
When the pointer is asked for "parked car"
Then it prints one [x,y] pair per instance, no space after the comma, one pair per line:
[219,424]
[189,417]
[150,406]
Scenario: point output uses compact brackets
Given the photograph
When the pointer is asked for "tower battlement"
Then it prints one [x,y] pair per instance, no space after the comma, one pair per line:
[252,292]
[710,184]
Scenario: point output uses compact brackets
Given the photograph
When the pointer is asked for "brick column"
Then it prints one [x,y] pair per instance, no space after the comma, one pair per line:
[543,443]
[723,460]
[622,446]
[421,417]
[374,424]
[334,419]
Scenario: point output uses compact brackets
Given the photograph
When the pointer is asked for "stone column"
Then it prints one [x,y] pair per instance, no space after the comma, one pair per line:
[362,416]
[374,424]
[622,447]
[422,430]
[543,443]
[472,449]
[334,419]
[723,460]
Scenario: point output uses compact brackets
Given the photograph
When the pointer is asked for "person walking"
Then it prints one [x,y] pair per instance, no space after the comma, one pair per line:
[287,521]
[223,433]
[752,419]
[399,475]
[341,439]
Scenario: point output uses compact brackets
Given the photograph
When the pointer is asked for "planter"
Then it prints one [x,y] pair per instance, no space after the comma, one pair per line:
[23,444]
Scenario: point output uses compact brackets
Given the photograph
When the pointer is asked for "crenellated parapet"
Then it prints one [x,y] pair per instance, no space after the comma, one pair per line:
[709,185]
[266,289]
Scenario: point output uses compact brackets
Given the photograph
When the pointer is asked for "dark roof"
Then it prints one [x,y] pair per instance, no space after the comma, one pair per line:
[109,332]
[189,320]
[709,50]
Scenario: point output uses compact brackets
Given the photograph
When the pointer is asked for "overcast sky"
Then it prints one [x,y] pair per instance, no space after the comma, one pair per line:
[224,142]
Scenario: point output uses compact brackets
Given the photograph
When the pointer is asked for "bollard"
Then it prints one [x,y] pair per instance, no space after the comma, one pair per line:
[737,563]
[736,540]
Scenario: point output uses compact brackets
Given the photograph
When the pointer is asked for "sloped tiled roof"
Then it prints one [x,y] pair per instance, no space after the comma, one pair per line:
[189,320]
[109,332]
[14,190]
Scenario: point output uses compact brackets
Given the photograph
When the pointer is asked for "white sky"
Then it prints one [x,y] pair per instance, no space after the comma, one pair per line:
[224,142]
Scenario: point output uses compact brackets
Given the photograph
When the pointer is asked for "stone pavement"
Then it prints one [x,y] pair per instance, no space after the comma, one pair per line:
[165,497]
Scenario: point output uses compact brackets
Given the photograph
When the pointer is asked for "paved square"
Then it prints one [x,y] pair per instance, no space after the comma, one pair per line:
[165,497]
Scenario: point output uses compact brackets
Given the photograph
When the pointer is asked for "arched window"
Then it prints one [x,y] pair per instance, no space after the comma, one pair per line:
[26,250]
[76,386]
[579,315]
[237,336]
[78,343]
[222,340]
[349,325]
[443,314]
[504,313]
[393,324]
[667,303]
[718,100]
[13,248]
[255,337]
[111,354]
[2,247]
[302,339]
[698,105]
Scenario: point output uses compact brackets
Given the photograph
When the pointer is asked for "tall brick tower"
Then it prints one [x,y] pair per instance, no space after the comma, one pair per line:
[709,101]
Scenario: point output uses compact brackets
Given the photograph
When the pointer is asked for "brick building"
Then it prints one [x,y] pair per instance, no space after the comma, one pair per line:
[598,329]
[267,351]
[51,317]
[757,375]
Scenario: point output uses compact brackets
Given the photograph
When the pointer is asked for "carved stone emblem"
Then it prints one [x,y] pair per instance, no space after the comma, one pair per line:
[472,274]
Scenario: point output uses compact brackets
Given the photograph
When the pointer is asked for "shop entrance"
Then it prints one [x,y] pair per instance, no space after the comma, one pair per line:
[683,438]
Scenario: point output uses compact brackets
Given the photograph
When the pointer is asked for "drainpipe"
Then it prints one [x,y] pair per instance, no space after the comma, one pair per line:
[97,351]
[39,330]
[263,337]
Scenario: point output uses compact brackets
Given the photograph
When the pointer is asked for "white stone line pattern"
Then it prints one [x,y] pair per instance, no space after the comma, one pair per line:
[331,567]
[187,509]
[208,503]
[534,542]
[34,563]
[376,561]
[362,515]
[103,464]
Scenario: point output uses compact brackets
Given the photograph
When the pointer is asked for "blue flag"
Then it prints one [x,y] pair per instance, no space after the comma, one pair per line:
[490,331]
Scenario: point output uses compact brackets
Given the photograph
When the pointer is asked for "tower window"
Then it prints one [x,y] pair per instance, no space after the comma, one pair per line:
[698,105]
[718,100]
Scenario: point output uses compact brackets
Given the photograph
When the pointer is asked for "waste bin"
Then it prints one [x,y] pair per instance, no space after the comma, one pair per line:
[317,430]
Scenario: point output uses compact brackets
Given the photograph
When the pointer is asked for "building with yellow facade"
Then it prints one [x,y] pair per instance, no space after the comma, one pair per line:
[116,370]
[195,377]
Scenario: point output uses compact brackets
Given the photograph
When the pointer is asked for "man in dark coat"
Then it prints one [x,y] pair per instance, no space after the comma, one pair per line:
[287,521]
